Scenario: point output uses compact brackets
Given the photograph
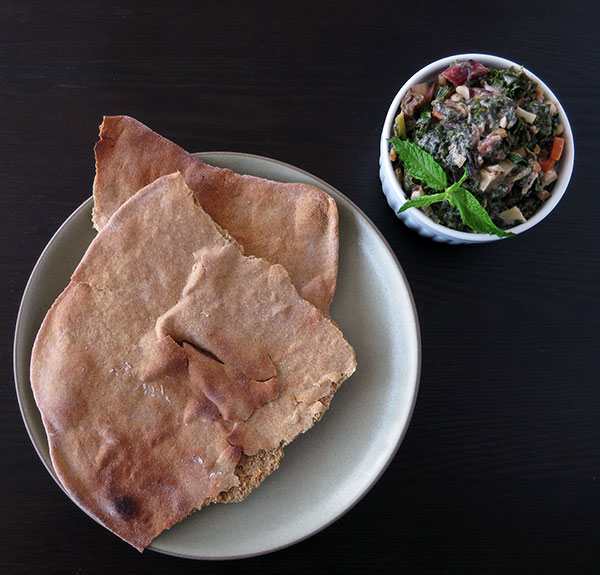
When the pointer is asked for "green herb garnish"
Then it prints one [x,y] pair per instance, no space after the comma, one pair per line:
[424,167]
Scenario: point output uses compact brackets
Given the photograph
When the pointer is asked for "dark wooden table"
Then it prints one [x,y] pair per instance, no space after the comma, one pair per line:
[500,469]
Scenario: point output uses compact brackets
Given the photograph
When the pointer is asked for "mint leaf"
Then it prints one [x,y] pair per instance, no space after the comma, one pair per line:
[423,166]
[422,201]
[473,214]
[420,164]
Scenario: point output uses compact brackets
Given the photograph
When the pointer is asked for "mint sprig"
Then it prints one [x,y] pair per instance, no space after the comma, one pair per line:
[421,164]
[424,167]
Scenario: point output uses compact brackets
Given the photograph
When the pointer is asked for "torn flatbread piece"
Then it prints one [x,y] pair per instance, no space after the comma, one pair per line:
[220,315]
[292,224]
[234,394]
[150,378]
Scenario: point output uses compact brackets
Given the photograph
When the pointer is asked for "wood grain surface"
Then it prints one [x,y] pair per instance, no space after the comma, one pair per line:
[500,469]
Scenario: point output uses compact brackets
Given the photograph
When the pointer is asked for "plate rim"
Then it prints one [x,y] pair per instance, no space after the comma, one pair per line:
[18,331]
[414,385]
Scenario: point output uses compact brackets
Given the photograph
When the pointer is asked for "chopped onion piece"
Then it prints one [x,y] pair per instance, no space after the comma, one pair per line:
[513,216]
[527,116]
[493,173]
[549,177]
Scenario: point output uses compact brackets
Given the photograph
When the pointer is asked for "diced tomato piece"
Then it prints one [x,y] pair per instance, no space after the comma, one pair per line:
[543,195]
[547,164]
[460,73]
[558,145]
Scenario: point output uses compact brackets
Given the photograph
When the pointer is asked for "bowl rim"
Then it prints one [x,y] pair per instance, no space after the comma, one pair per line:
[566,165]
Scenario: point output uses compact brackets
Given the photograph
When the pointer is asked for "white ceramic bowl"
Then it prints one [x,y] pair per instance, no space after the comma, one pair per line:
[415,218]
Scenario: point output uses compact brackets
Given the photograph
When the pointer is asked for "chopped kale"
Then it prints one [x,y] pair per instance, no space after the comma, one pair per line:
[513,83]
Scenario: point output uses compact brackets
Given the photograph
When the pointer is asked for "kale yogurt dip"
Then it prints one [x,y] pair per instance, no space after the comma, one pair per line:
[495,123]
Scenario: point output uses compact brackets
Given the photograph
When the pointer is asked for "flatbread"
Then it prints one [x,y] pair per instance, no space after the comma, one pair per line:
[172,369]
[295,225]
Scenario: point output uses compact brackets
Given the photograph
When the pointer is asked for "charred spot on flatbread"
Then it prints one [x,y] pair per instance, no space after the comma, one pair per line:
[125,505]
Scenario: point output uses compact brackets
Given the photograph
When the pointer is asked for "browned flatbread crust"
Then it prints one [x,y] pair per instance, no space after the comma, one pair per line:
[123,367]
[295,225]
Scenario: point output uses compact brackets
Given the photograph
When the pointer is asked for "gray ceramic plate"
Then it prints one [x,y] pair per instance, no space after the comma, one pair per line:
[328,469]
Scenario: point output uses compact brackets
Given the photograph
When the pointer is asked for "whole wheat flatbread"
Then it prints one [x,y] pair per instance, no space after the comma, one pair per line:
[295,225]
[172,369]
